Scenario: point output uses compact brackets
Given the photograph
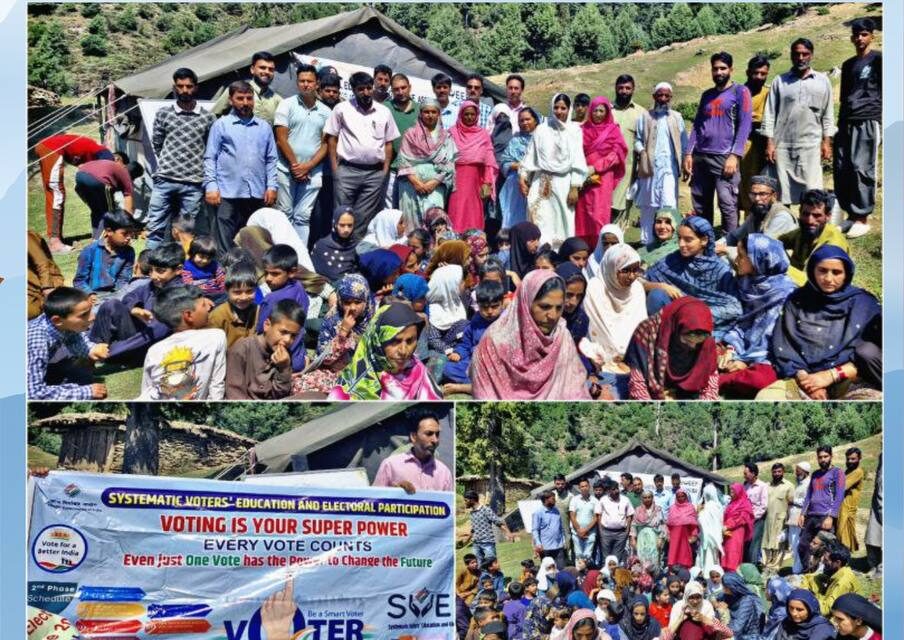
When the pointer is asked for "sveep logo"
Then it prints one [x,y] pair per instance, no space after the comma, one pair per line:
[420,604]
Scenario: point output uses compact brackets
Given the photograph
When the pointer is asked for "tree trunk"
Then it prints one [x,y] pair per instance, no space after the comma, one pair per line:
[497,469]
[141,452]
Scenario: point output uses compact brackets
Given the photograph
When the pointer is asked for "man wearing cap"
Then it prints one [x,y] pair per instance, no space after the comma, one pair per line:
[483,537]
[766,215]
[802,473]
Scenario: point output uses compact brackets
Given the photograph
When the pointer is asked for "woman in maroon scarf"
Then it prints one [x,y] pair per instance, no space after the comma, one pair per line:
[475,170]
[683,530]
[737,525]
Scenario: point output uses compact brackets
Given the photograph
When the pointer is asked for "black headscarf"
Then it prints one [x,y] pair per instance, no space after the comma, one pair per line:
[333,257]
[521,261]
[856,606]
[647,630]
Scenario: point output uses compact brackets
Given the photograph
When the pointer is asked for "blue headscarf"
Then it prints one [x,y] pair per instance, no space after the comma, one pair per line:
[517,146]
[778,590]
[377,266]
[762,296]
[410,287]
[820,330]
[815,627]
[744,604]
[705,277]
[350,287]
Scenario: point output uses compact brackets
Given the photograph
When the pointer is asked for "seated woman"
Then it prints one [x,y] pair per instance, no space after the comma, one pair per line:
[475,170]
[407,256]
[480,252]
[637,623]
[411,288]
[384,366]
[449,252]
[819,344]
[334,255]
[745,607]
[610,235]
[695,270]
[693,618]
[575,251]
[665,240]
[528,353]
[381,269]
[281,232]
[386,229]
[420,242]
[437,222]
[763,286]
[856,617]
[575,317]
[672,354]
[512,202]
[525,237]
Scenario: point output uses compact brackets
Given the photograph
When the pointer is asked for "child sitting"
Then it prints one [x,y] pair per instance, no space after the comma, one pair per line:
[259,367]
[490,295]
[141,270]
[183,231]
[105,265]
[238,315]
[492,269]
[202,270]
[280,269]
[191,363]
[55,338]
[448,318]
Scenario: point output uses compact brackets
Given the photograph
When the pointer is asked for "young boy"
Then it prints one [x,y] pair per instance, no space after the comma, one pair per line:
[128,325]
[280,268]
[141,271]
[55,338]
[491,570]
[183,231]
[191,363]
[259,367]
[105,265]
[202,270]
[490,294]
[514,610]
[238,315]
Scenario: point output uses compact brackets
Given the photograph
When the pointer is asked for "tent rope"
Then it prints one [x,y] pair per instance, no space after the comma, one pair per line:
[44,122]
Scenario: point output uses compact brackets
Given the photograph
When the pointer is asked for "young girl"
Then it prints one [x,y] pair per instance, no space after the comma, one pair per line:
[202,270]
[661,606]
[448,318]
[419,241]
[334,255]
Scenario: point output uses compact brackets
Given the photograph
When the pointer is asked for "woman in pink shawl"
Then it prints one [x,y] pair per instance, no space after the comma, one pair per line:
[605,152]
[683,530]
[737,527]
[528,353]
[475,170]
[583,626]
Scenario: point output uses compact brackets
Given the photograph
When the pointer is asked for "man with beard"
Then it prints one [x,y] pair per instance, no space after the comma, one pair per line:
[660,143]
[298,125]
[819,545]
[547,532]
[765,215]
[755,150]
[822,502]
[382,80]
[626,113]
[418,468]
[836,579]
[360,134]
[758,493]
[814,230]
[179,139]
[239,166]
[798,124]
[802,473]
[322,219]
[404,112]
[781,496]
[716,144]
[563,502]
[853,486]
[263,68]
[328,88]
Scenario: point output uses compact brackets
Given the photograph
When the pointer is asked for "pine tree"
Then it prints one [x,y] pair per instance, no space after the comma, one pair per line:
[708,22]
[591,36]
[504,46]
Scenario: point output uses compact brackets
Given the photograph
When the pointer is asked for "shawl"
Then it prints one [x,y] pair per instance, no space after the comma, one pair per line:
[706,276]
[554,147]
[682,513]
[350,287]
[515,360]
[604,139]
[819,330]
[658,249]
[410,287]
[577,322]
[444,297]
[692,588]
[589,583]
[762,296]
[613,310]
[435,215]
[576,617]
[606,571]
[521,260]
[333,256]
[419,146]
[752,578]
[815,627]
[745,605]
[739,512]
[646,630]
[710,519]
[651,517]
[377,266]
[515,149]
[473,142]
[651,348]
[501,135]
[595,260]
[546,564]
[449,252]
[367,376]
[382,232]
[856,606]
[572,246]
[778,591]
[476,243]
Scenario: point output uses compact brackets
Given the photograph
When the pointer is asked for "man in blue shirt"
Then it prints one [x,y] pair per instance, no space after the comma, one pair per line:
[548,536]
[662,496]
[239,165]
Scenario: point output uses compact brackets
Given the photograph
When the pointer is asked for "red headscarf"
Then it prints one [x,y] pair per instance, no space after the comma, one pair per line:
[603,139]
[682,513]
[473,143]
[739,511]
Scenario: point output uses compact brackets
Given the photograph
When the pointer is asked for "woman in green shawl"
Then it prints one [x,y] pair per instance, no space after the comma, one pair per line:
[665,240]
[647,529]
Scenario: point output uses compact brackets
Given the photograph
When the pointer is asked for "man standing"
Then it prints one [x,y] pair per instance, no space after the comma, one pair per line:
[661,496]
[859,130]
[483,537]
[716,144]
[802,472]
[382,79]
[758,493]
[548,535]
[755,150]
[635,495]
[584,513]
[360,134]
[298,125]
[563,501]
[781,496]
[814,230]
[853,485]
[626,113]
[404,113]
[474,91]
[263,68]
[821,503]
[798,124]
[179,140]
[514,87]
[322,220]
[765,215]
[599,490]
[417,468]
[442,88]
[627,480]
[616,514]
[239,166]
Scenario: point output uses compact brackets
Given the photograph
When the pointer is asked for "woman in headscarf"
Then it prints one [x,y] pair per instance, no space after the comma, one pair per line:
[605,152]
[777,592]
[818,345]
[575,251]
[480,252]
[421,243]
[714,575]
[582,626]
[763,286]
[569,591]
[528,354]
[664,239]
[683,530]
[451,252]
[693,618]
[384,366]
[511,201]
[745,607]
[386,229]
[709,551]
[695,270]
[856,618]
[752,578]
[447,315]
[334,255]
[610,235]
[647,529]
[475,170]
[803,620]
[672,354]
[411,288]
[737,527]
[637,624]
[575,289]
[546,576]
[407,256]
[525,238]
[552,171]
[381,268]
[281,231]
[426,171]
[436,221]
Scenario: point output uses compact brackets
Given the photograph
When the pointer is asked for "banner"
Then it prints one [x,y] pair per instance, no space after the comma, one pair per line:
[141,557]
[693,485]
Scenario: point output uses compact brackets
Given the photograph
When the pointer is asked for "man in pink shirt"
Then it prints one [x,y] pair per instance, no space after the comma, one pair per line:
[417,468]
[758,493]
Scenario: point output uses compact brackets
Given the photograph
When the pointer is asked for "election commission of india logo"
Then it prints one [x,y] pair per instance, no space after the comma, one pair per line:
[59,548]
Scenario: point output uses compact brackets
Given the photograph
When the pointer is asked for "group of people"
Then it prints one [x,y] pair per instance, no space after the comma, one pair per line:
[644,563]
[470,248]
